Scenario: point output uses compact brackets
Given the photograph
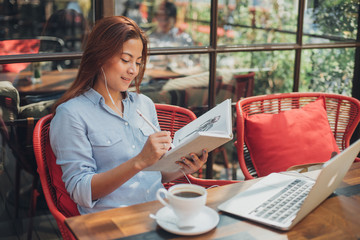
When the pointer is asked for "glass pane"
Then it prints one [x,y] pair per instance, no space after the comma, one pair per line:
[327,70]
[330,21]
[186,87]
[244,74]
[257,22]
[59,26]
[170,23]
[38,81]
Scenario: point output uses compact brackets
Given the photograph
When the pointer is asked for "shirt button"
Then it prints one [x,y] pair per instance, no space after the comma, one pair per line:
[133,146]
[108,141]
[147,191]
[126,123]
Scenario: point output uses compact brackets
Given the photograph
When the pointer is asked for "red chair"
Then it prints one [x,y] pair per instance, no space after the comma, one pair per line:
[52,186]
[343,114]
[172,118]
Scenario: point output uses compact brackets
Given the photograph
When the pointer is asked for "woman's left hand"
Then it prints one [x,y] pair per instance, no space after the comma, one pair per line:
[194,164]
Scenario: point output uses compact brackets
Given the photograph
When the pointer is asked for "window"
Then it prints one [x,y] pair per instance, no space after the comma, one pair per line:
[289,45]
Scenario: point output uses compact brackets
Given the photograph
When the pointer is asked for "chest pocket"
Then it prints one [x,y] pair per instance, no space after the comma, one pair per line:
[146,130]
[105,138]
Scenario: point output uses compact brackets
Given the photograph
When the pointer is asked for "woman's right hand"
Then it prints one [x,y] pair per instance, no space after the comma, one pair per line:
[155,147]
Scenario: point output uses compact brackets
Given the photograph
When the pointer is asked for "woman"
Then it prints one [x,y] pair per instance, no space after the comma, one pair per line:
[98,138]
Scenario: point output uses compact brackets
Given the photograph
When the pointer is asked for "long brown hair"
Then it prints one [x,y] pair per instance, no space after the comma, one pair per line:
[105,41]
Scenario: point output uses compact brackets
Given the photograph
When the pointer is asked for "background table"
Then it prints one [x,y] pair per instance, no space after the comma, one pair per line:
[51,81]
[338,217]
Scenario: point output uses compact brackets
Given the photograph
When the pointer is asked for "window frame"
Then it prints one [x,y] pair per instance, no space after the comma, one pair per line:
[101,10]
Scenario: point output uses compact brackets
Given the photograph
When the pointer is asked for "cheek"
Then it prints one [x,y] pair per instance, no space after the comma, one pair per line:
[115,69]
[120,67]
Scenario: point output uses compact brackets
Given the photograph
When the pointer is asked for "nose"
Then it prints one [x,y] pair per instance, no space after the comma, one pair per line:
[132,69]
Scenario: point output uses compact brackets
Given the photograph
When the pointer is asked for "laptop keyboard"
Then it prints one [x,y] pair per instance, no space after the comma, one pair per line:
[284,204]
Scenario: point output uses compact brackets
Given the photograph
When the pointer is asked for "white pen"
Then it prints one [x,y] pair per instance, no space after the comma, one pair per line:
[151,125]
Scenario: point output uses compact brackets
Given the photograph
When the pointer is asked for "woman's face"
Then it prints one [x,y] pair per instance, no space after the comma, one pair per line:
[122,69]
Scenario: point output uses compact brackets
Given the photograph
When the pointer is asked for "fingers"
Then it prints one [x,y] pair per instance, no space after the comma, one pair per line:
[199,161]
[161,140]
[205,155]
[165,146]
[194,164]
[156,146]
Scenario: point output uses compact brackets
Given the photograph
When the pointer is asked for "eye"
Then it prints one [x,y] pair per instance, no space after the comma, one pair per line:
[124,60]
[138,63]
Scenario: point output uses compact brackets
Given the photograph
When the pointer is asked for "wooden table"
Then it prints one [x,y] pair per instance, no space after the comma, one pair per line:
[338,217]
[51,81]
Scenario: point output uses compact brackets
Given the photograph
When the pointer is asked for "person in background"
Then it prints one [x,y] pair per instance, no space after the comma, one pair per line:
[166,33]
[66,30]
[100,141]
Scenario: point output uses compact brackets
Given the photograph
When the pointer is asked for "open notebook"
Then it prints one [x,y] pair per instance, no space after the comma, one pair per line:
[281,200]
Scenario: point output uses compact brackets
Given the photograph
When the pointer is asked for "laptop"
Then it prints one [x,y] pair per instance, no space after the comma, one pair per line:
[281,200]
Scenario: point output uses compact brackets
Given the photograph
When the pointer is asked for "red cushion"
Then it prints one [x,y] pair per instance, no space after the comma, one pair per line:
[298,136]
[63,201]
[18,46]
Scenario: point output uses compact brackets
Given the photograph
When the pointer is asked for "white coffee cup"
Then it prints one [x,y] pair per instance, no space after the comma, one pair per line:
[186,201]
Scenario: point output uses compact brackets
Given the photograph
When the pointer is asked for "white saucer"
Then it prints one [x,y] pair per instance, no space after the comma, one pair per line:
[206,220]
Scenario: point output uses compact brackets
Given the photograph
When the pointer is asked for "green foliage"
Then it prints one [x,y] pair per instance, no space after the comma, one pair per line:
[200,13]
[328,70]
[279,77]
[325,70]
[337,18]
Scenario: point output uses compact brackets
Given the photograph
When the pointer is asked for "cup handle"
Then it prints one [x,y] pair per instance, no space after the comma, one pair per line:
[158,196]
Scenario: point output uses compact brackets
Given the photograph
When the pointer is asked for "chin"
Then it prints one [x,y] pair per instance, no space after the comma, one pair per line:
[124,88]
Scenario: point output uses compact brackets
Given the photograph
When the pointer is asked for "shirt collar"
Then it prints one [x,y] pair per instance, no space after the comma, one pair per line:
[96,97]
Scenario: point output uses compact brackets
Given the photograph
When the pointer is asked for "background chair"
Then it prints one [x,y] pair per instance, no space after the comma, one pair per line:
[244,85]
[343,114]
[19,122]
[52,44]
[14,134]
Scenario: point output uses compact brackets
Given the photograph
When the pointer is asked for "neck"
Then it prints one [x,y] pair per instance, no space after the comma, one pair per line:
[117,106]
[112,98]
[115,103]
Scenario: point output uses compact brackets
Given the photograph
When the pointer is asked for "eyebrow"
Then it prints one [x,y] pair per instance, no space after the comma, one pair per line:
[129,54]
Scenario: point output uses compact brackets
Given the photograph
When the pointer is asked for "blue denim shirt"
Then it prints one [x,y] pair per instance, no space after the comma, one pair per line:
[88,137]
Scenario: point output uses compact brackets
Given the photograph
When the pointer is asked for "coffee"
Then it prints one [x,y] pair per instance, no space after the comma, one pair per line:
[187,194]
